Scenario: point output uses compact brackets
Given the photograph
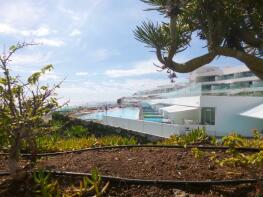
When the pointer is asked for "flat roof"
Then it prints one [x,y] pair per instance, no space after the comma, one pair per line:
[178,108]
[191,101]
[256,112]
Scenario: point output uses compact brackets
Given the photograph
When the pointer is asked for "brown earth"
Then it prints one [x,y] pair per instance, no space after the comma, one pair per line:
[147,163]
[156,164]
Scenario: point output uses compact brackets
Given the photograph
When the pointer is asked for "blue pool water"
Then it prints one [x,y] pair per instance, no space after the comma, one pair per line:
[153,119]
[128,112]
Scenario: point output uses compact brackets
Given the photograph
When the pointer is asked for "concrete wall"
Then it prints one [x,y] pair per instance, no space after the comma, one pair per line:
[227,112]
[179,117]
[153,128]
[99,129]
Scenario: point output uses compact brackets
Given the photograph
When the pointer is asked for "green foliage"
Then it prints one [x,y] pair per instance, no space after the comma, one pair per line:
[153,35]
[229,28]
[76,131]
[56,142]
[4,140]
[240,159]
[34,78]
[235,140]
[196,136]
[23,106]
[115,140]
[44,187]
[198,154]
[236,158]
[92,184]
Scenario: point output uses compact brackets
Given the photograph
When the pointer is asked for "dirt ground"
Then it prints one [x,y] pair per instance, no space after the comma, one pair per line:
[147,163]
[155,164]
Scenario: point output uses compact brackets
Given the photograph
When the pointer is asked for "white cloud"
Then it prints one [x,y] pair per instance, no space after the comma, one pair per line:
[6,29]
[82,73]
[29,59]
[75,32]
[139,68]
[50,76]
[102,54]
[10,30]
[73,15]
[42,31]
[21,13]
[91,91]
[50,42]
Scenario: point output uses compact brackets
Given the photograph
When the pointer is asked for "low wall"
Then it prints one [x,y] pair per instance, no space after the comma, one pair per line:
[99,129]
[161,130]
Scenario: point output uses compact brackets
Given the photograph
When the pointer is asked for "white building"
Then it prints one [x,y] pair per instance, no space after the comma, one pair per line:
[220,114]
[222,100]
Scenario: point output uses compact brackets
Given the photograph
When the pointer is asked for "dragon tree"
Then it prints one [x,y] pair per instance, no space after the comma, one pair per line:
[230,28]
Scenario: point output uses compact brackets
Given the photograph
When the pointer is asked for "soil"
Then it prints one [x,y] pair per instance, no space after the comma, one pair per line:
[156,164]
[147,163]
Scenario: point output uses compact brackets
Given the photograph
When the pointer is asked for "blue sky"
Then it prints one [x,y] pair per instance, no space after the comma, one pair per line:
[91,45]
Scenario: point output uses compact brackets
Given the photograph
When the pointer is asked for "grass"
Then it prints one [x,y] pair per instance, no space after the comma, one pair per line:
[54,144]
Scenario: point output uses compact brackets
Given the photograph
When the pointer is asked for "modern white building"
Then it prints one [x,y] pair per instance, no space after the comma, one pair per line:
[221,100]
[221,114]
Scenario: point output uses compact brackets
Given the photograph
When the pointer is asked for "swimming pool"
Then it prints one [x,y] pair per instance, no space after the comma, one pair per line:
[153,119]
[128,112]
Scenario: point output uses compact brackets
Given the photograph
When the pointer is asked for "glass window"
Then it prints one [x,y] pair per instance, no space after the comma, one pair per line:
[208,116]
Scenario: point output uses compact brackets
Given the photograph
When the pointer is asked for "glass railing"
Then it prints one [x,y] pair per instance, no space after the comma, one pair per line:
[235,76]
[198,89]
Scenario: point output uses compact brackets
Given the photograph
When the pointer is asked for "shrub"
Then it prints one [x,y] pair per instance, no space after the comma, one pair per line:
[196,136]
[235,140]
[76,131]
[23,106]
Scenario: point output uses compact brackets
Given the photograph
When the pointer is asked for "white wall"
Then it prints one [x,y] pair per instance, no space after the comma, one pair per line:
[227,112]
[179,117]
[152,128]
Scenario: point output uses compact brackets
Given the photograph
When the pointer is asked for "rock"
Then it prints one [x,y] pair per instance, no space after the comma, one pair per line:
[180,193]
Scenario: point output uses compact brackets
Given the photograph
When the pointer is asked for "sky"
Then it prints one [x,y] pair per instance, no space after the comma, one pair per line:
[91,45]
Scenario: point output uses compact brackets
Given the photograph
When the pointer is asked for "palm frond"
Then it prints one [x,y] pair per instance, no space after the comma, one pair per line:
[159,5]
[153,35]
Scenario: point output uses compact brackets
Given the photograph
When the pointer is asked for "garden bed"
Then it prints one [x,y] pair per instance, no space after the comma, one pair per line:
[149,163]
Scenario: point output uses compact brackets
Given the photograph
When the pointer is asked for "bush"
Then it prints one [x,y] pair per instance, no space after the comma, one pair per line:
[196,136]
[76,131]
[235,140]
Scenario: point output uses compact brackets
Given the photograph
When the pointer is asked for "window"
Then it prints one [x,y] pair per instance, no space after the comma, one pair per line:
[208,116]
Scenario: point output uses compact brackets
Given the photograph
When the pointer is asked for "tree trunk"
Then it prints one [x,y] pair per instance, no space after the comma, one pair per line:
[257,71]
[255,64]
[14,155]
[33,149]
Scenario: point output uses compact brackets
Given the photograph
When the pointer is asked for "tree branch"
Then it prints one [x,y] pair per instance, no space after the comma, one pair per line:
[253,63]
[191,65]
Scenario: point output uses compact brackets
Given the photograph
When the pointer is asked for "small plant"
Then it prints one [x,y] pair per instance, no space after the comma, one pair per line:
[24,104]
[92,185]
[213,140]
[235,140]
[196,136]
[248,161]
[44,187]
[198,154]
